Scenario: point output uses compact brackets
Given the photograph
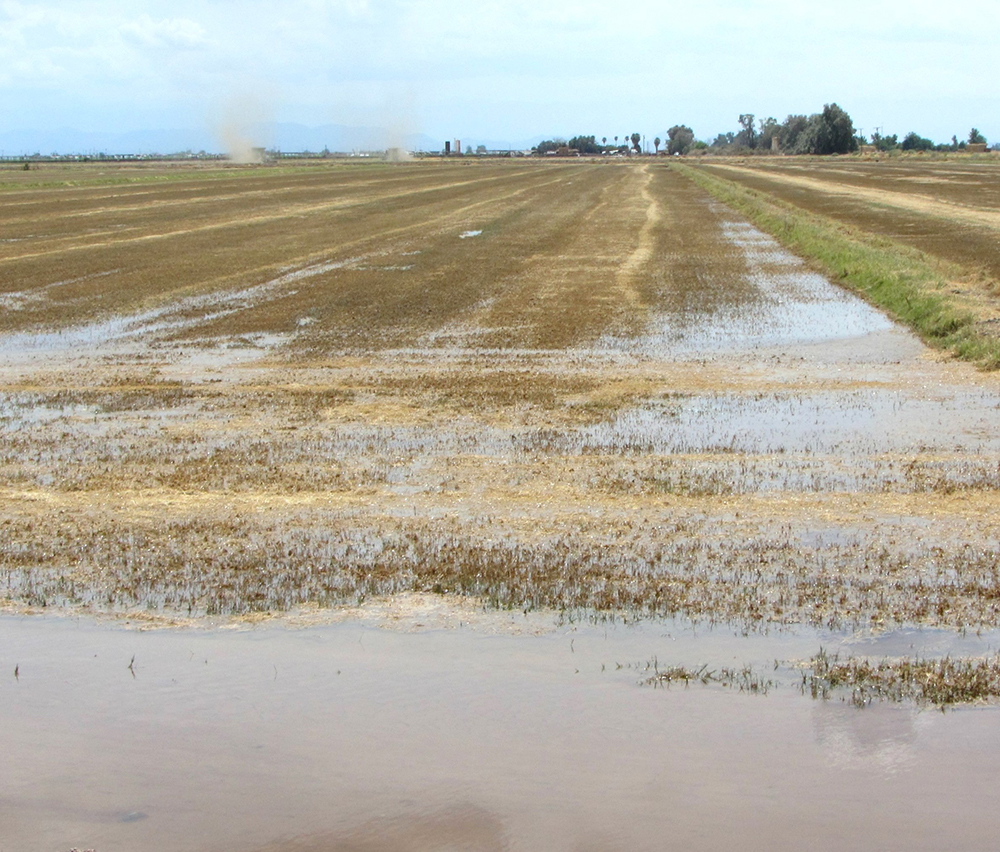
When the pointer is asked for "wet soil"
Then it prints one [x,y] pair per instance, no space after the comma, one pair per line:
[691,422]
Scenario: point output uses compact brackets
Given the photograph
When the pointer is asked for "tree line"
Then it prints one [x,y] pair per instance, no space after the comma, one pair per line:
[830,131]
[915,142]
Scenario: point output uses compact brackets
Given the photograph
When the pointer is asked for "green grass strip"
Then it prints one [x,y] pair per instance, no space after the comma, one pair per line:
[908,284]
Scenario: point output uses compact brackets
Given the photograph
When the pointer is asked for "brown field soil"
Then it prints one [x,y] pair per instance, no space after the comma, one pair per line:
[575,385]
[947,208]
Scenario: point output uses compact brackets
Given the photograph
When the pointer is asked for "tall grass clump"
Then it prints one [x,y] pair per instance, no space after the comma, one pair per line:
[911,286]
[940,682]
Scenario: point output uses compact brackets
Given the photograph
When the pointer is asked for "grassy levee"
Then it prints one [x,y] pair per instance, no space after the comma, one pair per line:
[910,285]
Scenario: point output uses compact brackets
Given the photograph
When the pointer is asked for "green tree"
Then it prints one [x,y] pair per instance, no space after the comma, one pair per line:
[885,143]
[636,138]
[656,144]
[834,132]
[548,145]
[792,135]
[768,130]
[976,138]
[747,137]
[828,132]
[680,138]
[913,141]
[724,140]
[585,144]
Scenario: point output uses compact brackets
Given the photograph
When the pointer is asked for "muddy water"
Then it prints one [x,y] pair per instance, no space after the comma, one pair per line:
[512,733]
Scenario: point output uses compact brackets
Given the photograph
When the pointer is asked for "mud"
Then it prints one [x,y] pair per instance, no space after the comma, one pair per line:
[606,412]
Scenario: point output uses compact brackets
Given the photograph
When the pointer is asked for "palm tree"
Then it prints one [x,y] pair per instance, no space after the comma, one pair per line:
[656,144]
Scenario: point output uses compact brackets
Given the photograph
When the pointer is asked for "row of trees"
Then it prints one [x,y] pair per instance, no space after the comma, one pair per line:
[680,139]
[589,145]
[830,131]
[915,142]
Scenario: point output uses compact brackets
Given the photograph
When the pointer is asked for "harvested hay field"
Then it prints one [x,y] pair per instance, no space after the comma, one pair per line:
[574,385]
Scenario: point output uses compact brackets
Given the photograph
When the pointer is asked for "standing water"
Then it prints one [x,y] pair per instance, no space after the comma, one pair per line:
[512,734]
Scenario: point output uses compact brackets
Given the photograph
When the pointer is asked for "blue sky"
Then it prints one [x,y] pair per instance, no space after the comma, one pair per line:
[497,70]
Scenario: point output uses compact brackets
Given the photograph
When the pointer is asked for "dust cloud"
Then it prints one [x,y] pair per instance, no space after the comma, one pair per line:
[383,121]
[242,127]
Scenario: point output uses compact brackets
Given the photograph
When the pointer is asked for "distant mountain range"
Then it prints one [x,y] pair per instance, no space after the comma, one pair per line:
[284,137]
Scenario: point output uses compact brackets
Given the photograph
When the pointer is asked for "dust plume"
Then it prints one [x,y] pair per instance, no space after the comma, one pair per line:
[242,127]
[400,121]
[387,126]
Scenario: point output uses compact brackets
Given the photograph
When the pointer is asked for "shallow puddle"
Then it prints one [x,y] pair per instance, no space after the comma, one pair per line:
[513,734]
[849,423]
[786,304]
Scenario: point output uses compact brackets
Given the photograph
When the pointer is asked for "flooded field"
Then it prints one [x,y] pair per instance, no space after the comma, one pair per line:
[506,733]
[503,409]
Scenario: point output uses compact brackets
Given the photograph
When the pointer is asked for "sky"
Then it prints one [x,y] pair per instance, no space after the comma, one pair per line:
[503,71]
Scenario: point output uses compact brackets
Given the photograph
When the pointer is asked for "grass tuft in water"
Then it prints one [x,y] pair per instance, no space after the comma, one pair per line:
[744,679]
[940,683]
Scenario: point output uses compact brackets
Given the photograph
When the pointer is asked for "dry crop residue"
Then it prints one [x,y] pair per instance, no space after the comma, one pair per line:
[280,388]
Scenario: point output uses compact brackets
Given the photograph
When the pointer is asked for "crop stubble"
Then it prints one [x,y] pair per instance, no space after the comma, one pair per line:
[948,209]
[427,411]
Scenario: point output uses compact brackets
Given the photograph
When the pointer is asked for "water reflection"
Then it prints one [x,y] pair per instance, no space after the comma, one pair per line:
[878,739]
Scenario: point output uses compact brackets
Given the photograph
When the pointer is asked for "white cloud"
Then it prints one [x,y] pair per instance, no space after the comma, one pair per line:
[519,64]
[169,32]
